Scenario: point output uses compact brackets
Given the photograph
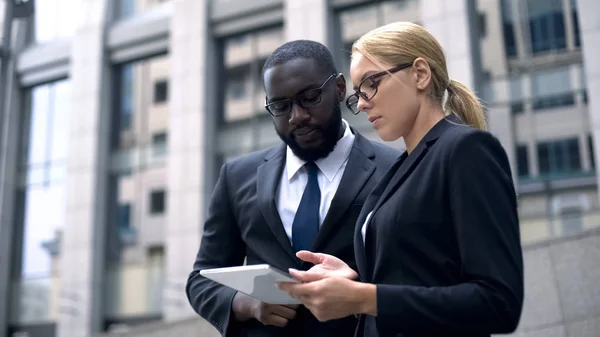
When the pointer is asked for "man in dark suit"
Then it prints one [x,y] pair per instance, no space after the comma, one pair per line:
[304,194]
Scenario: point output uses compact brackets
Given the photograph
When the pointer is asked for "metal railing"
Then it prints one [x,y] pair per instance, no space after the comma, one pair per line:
[544,228]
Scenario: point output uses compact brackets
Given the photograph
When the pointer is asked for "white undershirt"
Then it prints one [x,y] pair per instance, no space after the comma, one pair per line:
[294,179]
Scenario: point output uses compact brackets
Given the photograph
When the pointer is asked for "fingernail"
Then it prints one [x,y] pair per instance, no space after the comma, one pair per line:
[292,270]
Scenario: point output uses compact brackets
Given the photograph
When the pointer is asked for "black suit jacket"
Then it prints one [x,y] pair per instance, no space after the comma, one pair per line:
[243,222]
[443,243]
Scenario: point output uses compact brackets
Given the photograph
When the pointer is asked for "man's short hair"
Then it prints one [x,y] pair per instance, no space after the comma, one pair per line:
[302,49]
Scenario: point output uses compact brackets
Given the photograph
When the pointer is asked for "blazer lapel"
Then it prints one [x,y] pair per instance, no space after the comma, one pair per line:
[418,153]
[357,172]
[359,246]
[267,181]
[369,206]
[403,171]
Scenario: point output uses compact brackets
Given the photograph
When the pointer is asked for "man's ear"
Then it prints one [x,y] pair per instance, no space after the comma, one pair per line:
[341,86]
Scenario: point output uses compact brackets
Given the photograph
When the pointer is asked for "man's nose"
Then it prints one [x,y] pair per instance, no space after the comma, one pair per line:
[298,114]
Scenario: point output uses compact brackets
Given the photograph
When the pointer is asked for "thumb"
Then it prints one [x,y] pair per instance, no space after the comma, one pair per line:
[310,257]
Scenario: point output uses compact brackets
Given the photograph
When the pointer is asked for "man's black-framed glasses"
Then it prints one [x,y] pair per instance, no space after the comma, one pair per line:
[306,100]
[367,89]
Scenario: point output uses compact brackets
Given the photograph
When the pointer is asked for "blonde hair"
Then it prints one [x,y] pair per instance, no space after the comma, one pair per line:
[403,42]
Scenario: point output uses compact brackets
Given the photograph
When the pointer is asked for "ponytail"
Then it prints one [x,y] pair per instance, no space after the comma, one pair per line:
[463,102]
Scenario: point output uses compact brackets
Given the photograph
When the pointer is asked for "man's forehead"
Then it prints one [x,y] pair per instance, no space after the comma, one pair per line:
[305,68]
[292,77]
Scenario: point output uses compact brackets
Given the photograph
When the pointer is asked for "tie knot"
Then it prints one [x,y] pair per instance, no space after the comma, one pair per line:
[312,169]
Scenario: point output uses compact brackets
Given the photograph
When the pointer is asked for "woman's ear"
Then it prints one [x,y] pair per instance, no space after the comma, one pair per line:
[422,73]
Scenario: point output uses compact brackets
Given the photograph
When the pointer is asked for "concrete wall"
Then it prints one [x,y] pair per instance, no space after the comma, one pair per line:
[193,327]
[562,296]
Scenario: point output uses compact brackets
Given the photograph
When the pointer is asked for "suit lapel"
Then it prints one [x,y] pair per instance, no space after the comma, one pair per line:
[415,157]
[267,181]
[405,169]
[372,200]
[408,165]
[357,172]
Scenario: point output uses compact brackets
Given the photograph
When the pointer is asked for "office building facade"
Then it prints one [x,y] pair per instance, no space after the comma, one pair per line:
[119,113]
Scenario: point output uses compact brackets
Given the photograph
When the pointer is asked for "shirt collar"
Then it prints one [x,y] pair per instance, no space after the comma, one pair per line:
[329,165]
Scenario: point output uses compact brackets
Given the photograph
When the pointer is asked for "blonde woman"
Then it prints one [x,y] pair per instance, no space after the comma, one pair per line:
[437,242]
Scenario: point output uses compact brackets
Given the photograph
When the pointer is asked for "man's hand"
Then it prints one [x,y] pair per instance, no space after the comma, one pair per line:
[245,307]
[325,266]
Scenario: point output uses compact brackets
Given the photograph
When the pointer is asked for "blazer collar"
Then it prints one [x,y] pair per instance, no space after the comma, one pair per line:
[417,154]
[267,181]
[358,170]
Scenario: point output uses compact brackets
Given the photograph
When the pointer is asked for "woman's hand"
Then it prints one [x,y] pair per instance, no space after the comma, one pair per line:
[324,266]
[334,297]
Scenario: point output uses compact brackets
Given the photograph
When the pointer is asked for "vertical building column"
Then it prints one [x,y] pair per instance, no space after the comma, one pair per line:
[308,20]
[452,25]
[500,124]
[83,249]
[455,26]
[191,115]
[589,28]
[10,122]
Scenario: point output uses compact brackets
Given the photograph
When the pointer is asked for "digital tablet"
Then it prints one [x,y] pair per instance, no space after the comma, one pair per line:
[258,281]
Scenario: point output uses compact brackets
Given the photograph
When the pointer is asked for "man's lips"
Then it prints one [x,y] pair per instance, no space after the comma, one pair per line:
[304,131]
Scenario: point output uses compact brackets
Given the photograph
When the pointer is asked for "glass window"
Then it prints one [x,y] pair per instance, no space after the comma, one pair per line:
[236,88]
[125,8]
[159,144]
[552,88]
[124,216]
[575,17]
[590,143]
[510,43]
[126,100]
[161,91]
[583,83]
[516,94]
[522,161]
[244,57]
[41,203]
[559,157]
[55,19]
[138,170]
[39,121]
[546,25]
[157,202]
[138,87]
[45,141]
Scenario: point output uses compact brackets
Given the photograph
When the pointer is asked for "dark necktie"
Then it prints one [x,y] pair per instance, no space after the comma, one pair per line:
[306,222]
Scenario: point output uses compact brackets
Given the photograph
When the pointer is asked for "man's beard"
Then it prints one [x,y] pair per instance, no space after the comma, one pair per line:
[331,135]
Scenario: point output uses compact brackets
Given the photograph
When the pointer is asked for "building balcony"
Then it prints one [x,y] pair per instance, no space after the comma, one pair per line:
[547,227]
[134,290]
[245,107]
[246,48]
[35,300]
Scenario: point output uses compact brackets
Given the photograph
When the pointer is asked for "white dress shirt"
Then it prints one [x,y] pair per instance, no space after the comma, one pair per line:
[294,179]
[363,229]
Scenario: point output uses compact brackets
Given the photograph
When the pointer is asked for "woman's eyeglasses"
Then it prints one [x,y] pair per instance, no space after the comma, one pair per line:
[367,89]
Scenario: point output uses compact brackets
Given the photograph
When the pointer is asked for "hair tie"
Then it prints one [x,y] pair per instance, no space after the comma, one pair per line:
[449,87]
